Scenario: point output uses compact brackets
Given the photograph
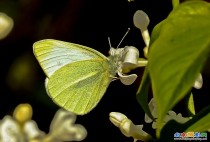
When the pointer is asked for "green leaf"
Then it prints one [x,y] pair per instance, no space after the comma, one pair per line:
[178,54]
[190,105]
[156,31]
[142,93]
[201,122]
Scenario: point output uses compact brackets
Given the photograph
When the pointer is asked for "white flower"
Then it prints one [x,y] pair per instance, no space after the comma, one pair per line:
[153,109]
[64,129]
[141,21]
[6,25]
[199,82]
[169,116]
[20,127]
[178,117]
[127,60]
[127,127]
[10,130]
[130,0]
[32,131]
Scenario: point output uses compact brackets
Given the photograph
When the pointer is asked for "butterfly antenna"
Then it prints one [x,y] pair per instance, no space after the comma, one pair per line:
[109,42]
[123,37]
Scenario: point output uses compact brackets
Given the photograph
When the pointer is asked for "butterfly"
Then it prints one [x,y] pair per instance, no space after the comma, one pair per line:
[78,76]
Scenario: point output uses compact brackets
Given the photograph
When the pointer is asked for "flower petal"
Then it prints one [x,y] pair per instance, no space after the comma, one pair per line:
[127,79]
[63,128]
[32,131]
[199,82]
[10,130]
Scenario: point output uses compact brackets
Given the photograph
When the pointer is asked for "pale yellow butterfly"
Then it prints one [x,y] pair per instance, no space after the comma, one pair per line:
[78,76]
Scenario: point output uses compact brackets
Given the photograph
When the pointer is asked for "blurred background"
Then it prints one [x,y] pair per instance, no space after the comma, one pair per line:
[85,22]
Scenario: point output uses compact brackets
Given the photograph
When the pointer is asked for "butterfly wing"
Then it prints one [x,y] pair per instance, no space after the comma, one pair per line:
[54,54]
[77,76]
[79,86]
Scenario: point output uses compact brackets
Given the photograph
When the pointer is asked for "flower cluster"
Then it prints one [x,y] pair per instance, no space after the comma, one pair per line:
[20,127]
[127,127]
[171,115]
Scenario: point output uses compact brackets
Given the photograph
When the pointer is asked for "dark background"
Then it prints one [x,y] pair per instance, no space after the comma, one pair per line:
[86,22]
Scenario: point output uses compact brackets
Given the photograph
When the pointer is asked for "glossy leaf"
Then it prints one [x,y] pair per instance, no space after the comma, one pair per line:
[202,121]
[142,93]
[190,105]
[178,54]
[199,123]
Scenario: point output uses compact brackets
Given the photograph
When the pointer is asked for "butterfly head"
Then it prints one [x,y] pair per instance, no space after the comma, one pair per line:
[123,60]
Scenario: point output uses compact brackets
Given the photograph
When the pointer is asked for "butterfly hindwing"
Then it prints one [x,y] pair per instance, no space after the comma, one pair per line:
[80,85]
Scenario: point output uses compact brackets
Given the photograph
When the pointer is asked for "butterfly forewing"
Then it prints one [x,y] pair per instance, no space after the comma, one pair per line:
[79,86]
[54,54]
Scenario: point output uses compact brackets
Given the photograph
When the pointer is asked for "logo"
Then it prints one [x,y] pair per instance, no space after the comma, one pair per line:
[190,136]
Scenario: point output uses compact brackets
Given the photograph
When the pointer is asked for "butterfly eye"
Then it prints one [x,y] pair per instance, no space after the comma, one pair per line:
[112,51]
